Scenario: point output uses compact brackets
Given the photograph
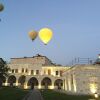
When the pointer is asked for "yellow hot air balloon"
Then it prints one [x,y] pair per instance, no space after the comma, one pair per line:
[45,35]
[1,7]
[33,34]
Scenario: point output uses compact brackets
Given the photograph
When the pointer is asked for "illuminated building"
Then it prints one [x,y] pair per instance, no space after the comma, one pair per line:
[83,78]
[41,73]
[37,71]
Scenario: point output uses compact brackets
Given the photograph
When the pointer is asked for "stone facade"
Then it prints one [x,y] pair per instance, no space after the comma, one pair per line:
[38,72]
[83,79]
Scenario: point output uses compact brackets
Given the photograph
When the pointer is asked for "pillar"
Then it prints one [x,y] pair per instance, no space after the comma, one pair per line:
[52,85]
[6,82]
[39,86]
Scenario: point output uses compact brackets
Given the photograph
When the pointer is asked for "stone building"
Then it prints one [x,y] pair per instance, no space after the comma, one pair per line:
[39,72]
[83,79]
[35,72]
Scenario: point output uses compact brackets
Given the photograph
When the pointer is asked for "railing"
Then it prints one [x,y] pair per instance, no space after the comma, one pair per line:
[81,61]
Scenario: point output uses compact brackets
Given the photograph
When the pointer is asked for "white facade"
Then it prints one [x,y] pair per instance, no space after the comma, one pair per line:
[37,70]
[83,79]
[42,73]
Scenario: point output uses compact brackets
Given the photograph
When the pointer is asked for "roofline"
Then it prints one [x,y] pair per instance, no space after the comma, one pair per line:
[29,57]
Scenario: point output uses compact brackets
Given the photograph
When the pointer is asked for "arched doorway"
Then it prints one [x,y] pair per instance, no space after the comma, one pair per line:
[21,80]
[33,82]
[11,80]
[58,83]
[46,82]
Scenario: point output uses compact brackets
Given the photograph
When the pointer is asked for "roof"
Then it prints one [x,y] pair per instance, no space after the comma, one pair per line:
[38,55]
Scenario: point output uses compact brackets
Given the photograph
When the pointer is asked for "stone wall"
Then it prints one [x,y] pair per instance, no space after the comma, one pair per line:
[83,79]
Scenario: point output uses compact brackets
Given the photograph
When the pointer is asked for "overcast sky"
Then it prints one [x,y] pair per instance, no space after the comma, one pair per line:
[75,25]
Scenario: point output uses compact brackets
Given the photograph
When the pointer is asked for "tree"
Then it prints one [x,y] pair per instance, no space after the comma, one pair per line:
[3,71]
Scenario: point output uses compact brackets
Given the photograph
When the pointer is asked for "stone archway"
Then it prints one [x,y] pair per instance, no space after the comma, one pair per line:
[33,82]
[21,80]
[11,80]
[46,82]
[58,83]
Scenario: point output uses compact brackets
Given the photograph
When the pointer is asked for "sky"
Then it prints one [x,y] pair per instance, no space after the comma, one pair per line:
[75,25]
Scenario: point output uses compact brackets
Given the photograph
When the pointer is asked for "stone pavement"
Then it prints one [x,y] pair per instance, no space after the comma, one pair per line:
[33,95]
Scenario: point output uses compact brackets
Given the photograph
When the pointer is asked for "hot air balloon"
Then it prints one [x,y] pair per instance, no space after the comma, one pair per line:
[33,34]
[45,34]
[1,7]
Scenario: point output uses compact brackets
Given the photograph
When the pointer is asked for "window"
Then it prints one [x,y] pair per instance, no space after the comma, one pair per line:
[16,70]
[37,72]
[22,70]
[26,70]
[32,71]
[61,73]
[12,70]
[49,72]
[56,72]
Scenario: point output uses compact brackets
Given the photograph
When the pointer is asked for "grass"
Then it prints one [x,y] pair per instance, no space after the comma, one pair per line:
[8,93]
[52,95]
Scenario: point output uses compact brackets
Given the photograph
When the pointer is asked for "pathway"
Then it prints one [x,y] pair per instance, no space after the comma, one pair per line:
[33,95]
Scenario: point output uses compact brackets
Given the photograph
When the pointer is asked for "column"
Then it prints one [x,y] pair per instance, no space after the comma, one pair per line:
[74,83]
[6,82]
[39,86]
[25,85]
[52,85]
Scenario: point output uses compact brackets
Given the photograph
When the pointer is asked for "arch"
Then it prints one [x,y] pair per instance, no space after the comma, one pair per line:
[33,82]
[46,82]
[22,79]
[11,80]
[58,83]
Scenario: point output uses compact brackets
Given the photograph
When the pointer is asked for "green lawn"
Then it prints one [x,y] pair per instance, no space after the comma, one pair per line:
[8,93]
[52,95]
